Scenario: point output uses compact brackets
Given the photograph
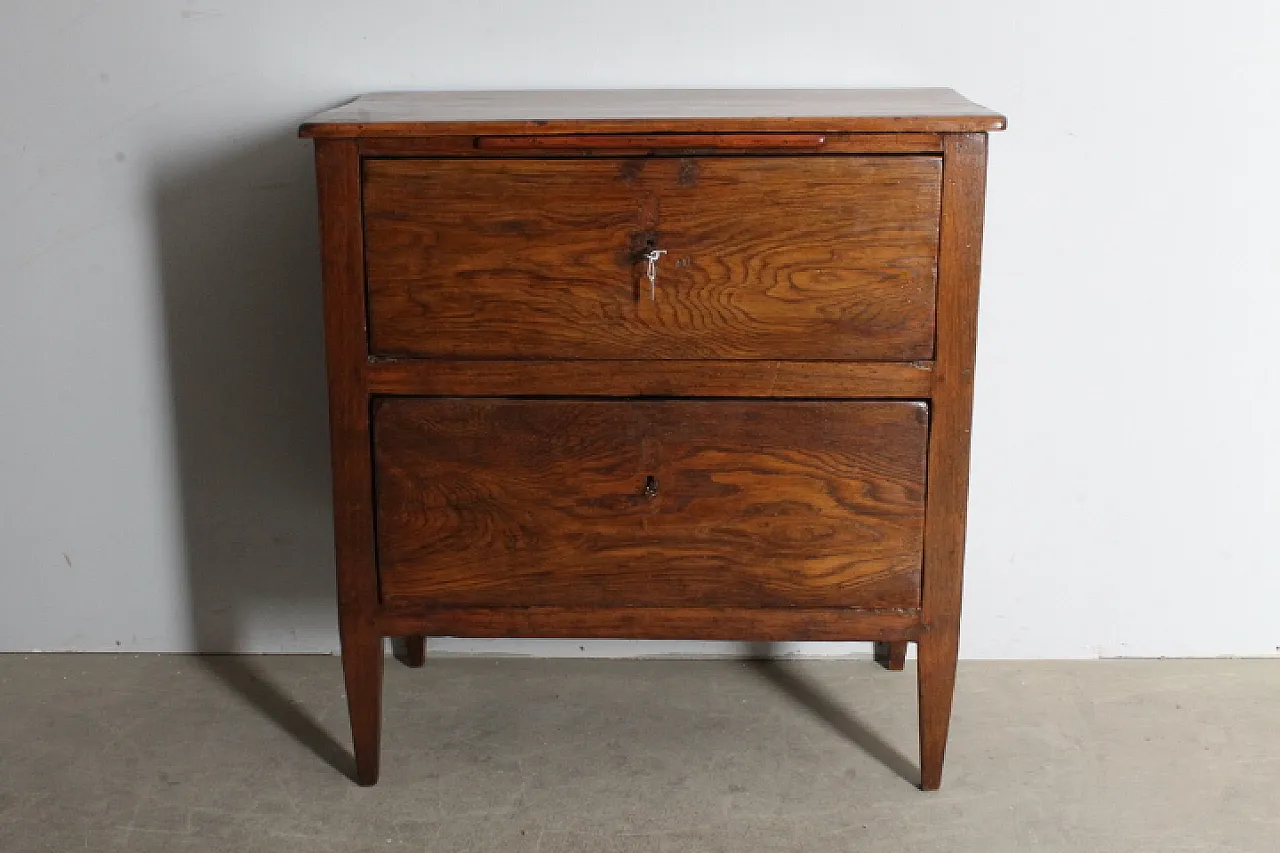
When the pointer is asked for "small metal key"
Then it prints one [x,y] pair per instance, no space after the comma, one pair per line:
[652,271]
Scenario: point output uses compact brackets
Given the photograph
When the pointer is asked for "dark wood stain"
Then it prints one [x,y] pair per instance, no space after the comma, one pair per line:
[656,145]
[788,258]
[415,650]
[892,655]
[767,379]
[543,502]
[962,218]
[774,447]
[688,175]
[341,238]
[776,624]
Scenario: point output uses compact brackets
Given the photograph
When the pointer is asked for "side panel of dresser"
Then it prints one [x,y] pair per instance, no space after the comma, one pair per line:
[342,247]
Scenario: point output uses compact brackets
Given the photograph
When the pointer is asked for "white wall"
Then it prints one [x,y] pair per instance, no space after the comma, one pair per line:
[163,462]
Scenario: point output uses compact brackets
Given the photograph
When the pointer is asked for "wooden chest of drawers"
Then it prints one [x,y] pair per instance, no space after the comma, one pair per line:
[668,365]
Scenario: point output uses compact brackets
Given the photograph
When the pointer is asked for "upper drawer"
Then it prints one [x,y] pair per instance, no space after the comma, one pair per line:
[807,257]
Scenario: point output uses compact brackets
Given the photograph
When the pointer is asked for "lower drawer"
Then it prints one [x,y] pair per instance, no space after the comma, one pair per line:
[650,503]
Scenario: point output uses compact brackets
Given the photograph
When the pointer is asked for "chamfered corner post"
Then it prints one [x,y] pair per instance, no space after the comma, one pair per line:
[342,263]
[960,254]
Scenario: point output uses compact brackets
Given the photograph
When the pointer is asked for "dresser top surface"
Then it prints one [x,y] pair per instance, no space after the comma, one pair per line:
[655,110]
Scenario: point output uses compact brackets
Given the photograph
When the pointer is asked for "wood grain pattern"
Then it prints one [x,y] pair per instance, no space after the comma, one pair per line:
[762,496]
[597,144]
[779,257]
[774,379]
[672,503]
[338,183]
[646,111]
[658,623]
[961,255]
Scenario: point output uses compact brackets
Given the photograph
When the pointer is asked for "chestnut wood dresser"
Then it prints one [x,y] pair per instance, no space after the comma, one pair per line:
[652,364]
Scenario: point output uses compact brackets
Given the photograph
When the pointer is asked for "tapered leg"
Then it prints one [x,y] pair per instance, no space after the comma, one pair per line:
[362,669]
[964,164]
[892,655]
[342,241]
[415,650]
[936,668]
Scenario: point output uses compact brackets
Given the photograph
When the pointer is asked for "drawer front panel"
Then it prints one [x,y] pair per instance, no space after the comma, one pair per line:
[788,257]
[656,503]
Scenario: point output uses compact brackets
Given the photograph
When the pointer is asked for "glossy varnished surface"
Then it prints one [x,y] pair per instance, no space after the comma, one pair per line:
[671,110]
[672,503]
[766,257]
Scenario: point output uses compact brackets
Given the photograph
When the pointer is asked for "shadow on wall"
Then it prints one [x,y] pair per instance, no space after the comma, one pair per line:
[238,243]
[239,263]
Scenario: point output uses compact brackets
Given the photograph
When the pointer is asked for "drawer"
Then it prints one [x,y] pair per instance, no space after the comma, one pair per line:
[650,503]
[785,257]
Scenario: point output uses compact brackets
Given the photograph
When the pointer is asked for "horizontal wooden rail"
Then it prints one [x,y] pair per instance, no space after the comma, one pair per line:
[656,623]
[778,379]
[652,141]
[632,144]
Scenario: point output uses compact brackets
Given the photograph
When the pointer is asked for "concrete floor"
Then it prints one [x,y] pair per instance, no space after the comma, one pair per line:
[165,753]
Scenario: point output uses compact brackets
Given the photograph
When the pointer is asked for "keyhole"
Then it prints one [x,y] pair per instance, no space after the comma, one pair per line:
[651,486]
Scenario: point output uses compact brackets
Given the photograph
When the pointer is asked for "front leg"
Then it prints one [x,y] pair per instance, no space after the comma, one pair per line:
[362,670]
[936,674]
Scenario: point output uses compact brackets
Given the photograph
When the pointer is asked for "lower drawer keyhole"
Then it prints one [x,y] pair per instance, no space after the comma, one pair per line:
[651,486]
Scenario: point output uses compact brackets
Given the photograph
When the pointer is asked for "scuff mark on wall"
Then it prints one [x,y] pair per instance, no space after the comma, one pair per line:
[199,14]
